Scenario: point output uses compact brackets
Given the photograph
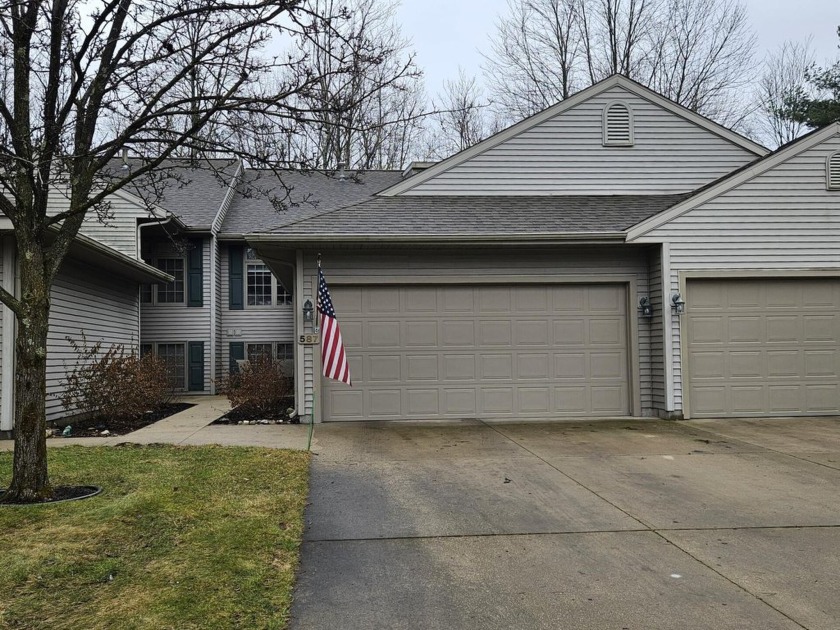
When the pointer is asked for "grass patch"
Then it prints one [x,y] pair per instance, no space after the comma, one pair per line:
[181,537]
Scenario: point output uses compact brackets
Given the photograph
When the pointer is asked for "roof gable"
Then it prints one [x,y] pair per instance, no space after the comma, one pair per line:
[555,151]
[813,178]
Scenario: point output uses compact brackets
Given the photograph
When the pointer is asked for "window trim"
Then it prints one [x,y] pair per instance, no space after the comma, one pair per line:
[631,139]
[184,388]
[834,157]
[275,285]
[156,285]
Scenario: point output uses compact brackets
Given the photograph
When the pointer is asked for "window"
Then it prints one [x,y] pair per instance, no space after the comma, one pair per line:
[145,349]
[146,293]
[258,350]
[832,175]
[285,351]
[262,289]
[171,292]
[618,125]
[174,354]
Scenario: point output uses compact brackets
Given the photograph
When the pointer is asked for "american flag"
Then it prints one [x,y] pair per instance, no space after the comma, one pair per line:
[333,357]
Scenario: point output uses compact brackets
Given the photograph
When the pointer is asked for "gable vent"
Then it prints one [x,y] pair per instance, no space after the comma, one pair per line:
[833,172]
[618,125]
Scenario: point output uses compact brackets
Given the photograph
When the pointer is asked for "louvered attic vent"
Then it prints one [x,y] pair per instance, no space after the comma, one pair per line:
[832,175]
[618,125]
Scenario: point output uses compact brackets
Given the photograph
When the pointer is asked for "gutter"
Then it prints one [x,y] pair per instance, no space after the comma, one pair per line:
[461,239]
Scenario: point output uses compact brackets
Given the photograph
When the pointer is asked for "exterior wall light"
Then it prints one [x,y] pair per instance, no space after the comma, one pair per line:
[678,303]
[308,311]
[645,307]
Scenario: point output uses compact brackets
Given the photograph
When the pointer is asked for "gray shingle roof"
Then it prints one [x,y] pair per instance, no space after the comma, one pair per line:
[265,202]
[193,194]
[484,216]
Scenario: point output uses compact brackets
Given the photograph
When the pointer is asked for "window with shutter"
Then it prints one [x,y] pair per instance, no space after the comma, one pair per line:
[618,125]
[832,175]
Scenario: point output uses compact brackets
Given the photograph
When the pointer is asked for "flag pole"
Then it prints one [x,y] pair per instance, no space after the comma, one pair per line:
[315,381]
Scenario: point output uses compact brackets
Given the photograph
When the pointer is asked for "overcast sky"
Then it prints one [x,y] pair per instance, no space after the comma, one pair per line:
[449,33]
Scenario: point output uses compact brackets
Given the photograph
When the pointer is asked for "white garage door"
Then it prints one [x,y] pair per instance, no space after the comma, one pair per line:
[763,347]
[530,351]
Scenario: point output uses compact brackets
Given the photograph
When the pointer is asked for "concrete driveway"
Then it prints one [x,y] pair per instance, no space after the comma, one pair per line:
[606,524]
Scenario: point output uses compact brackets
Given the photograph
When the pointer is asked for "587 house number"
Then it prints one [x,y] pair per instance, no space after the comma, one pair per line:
[309,340]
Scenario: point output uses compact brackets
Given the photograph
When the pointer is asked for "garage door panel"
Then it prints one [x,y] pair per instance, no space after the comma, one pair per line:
[383,368]
[821,363]
[384,402]
[782,358]
[745,329]
[570,365]
[495,333]
[382,334]
[784,364]
[457,333]
[421,367]
[459,402]
[352,333]
[783,328]
[608,332]
[533,367]
[569,332]
[746,364]
[531,333]
[496,366]
[483,351]
[420,334]
[422,402]
[459,367]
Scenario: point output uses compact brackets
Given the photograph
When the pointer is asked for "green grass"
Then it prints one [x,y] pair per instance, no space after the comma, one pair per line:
[181,537]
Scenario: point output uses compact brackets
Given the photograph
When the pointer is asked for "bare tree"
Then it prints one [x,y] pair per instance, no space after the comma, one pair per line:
[89,78]
[784,80]
[462,119]
[696,52]
[373,101]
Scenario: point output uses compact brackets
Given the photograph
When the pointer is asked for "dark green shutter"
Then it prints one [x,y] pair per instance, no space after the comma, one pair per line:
[236,282]
[195,273]
[237,353]
[196,352]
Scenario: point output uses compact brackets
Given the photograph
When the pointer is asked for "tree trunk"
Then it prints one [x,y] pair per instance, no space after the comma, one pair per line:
[30,481]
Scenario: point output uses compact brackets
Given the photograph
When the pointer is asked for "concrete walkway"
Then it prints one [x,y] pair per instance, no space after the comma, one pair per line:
[573,525]
[193,426]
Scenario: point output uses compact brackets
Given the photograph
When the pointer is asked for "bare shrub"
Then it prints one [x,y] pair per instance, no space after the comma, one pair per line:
[260,388]
[115,384]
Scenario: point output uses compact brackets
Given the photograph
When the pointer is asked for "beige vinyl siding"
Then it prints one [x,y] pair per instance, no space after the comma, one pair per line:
[783,219]
[91,301]
[179,323]
[118,230]
[657,332]
[366,267]
[565,155]
[252,324]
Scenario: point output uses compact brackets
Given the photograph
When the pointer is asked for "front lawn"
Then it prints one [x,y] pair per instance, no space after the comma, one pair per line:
[181,537]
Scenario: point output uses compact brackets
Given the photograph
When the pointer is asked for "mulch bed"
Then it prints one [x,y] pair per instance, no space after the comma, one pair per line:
[239,415]
[62,493]
[97,427]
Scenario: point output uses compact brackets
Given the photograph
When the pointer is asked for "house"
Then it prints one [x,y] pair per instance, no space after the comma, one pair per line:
[614,255]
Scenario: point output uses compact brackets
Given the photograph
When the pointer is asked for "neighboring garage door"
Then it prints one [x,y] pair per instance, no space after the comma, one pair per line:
[528,351]
[763,347]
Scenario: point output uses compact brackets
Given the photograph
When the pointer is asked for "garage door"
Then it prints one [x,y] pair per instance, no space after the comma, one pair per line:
[482,351]
[763,347]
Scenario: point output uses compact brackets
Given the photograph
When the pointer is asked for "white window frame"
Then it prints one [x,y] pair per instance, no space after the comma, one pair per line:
[277,288]
[155,350]
[155,286]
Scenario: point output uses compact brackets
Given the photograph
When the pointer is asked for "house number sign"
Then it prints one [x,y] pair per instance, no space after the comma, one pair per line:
[310,340]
